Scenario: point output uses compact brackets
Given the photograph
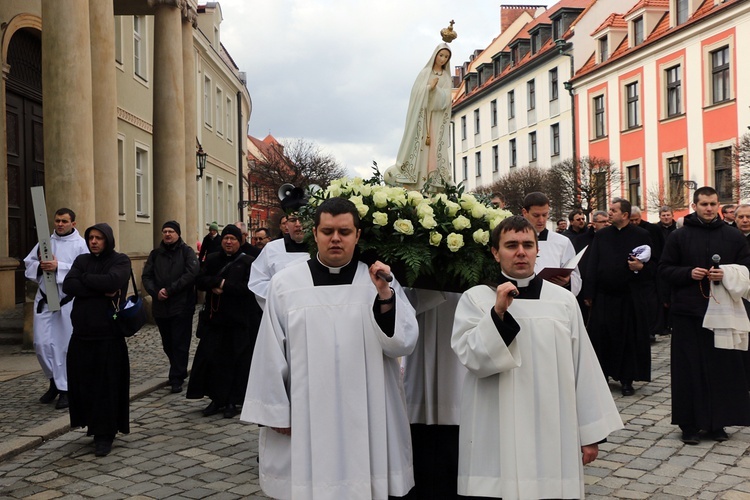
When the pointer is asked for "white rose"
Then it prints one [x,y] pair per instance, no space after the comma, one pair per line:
[403,226]
[452,208]
[380,199]
[428,222]
[357,200]
[365,189]
[494,222]
[478,211]
[380,218]
[414,197]
[467,201]
[481,236]
[461,222]
[333,191]
[424,209]
[362,209]
[435,238]
[454,241]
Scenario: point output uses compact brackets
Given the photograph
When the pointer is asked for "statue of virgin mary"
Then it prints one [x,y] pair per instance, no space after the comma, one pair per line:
[422,159]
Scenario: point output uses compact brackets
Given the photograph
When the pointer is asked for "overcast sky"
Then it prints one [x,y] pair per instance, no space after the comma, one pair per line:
[339,72]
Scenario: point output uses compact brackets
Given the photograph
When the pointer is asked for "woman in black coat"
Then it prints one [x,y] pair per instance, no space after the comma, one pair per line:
[227,328]
[98,365]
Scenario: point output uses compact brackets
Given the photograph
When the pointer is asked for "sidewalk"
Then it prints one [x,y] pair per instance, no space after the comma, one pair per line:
[25,423]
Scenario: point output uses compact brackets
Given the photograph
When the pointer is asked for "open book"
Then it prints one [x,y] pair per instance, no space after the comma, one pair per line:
[551,272]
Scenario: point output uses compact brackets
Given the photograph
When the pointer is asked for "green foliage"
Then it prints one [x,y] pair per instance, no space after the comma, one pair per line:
[430,240]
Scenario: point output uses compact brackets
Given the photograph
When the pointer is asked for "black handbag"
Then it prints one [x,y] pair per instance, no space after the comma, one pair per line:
[132,316]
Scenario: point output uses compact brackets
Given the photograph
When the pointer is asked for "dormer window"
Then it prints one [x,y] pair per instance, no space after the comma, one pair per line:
[637,31]
[603,49]
[683,9]
[557,28]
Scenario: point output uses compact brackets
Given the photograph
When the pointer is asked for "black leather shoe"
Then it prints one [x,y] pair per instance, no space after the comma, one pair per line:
[51,393]
[62,401]
[690,437]
[102,449]
[176,388]
[719,435]
[230,411]
[211,409]
[102,445]
[627,389]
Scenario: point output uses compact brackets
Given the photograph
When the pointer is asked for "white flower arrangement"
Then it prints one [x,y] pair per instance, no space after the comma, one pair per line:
[438,240]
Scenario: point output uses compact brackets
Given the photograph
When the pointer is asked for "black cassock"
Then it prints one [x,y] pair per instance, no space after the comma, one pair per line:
[618,325]
[709,386]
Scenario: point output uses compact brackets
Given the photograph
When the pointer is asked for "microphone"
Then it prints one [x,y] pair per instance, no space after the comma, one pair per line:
[369,257]
[384,276]
[716,260]
[513,293]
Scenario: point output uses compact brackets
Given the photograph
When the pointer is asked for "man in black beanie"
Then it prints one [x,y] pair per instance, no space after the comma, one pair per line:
[169,277]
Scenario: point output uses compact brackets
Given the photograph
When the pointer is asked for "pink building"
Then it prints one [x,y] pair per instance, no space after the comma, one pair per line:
[660,97]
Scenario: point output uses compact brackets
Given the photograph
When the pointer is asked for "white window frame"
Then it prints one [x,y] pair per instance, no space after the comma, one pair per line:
[708,100]
[208,111]
[118,42]
[140,49]
[219,103]
[229,117]
[220,197]
[142,175]
[208,199]
[592,99]
[121,188]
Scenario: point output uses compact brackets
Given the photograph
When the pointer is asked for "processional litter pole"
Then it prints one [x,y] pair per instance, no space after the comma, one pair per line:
[45,246]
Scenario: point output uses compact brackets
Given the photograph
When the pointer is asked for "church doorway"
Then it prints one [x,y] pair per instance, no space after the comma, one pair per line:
[25,139]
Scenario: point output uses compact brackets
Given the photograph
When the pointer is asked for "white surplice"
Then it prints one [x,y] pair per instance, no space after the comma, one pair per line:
[323,367]
[528,407]
[52,330]
[272,259]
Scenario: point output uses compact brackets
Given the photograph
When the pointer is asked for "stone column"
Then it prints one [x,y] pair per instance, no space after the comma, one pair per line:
[68,124]
[190,231]
[169,116]
[104,91]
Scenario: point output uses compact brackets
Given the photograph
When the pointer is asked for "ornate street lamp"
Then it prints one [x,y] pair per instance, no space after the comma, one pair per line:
[200,160]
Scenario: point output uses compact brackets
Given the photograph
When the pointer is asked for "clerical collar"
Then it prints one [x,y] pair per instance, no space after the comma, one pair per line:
[322,275]
[528,288]
[292,246]
[331,270]
[543,235]
[520,282]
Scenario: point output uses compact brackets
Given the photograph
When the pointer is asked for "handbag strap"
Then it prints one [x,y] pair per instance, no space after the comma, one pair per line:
[132,278]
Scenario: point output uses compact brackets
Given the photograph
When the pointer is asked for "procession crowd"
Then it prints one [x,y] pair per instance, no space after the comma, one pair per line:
[366,389]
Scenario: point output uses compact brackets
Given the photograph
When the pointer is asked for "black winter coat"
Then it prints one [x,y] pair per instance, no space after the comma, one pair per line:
[173,267]
[236,305]
[89,278]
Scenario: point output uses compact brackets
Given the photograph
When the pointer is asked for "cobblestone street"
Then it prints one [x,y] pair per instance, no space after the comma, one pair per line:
[175,452]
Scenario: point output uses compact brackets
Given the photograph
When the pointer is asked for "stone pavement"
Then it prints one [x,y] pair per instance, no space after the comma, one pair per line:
[175,452]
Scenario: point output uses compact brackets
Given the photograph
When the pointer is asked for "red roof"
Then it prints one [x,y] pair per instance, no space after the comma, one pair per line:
[523,34]
[661,4]
[613,21]
[662,30]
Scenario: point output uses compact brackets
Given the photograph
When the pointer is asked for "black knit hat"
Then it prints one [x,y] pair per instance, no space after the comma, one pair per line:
[233,230]
[174,225]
